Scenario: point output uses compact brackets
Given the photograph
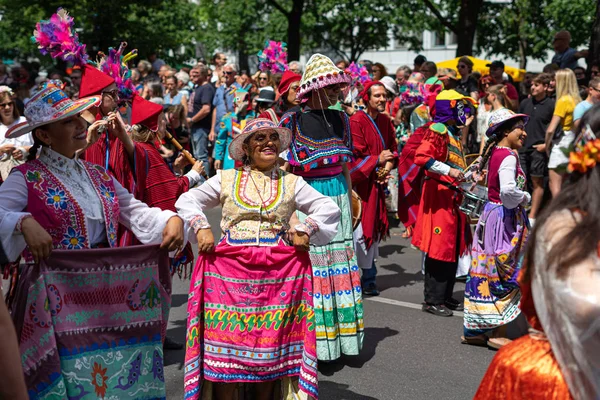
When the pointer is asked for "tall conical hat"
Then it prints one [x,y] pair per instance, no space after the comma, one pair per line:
[321,72]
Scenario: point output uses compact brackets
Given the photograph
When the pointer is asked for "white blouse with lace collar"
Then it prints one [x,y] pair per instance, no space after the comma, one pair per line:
[146,223]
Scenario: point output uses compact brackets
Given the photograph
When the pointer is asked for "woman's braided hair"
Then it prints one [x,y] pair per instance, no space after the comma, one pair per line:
[37,143]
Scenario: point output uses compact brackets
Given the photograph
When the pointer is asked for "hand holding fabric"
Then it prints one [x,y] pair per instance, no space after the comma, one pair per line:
[206,241]
[38,240]
[173,236]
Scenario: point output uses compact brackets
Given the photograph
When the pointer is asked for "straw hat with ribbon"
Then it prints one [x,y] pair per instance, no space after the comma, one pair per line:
[236,148]
[50,104]
[321,72]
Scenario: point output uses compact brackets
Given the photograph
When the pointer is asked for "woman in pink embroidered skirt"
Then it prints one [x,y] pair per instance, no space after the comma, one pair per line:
[250,314]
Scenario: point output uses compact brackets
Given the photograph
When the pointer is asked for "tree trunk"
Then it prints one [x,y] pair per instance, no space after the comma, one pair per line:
[293,32]
[594,56]
[467,23]
[243,60]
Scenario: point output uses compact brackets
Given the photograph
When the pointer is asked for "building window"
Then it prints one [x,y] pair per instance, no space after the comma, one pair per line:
[439,39]
[452,39]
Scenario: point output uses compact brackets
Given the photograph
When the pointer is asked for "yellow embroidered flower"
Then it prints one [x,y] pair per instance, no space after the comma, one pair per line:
[484,289]
[503,257]
[481,257]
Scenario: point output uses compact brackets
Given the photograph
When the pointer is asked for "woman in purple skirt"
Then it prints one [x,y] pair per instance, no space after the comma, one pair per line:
[492,294]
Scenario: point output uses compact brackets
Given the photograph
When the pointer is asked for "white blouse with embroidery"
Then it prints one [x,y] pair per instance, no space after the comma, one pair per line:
[321,211]
[146,223]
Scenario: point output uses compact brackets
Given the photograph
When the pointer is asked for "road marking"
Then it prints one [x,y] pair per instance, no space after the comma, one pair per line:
[405,304]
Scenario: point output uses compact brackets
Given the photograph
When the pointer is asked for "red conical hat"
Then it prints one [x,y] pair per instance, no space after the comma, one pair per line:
[93,81]
[144,112]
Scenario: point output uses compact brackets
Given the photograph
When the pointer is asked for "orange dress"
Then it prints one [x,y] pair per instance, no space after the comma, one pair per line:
[525,369]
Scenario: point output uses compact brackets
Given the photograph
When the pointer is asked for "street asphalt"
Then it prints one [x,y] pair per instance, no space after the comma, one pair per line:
[407,354]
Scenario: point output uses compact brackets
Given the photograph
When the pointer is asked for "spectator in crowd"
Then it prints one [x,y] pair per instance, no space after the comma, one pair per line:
[243,79]
[145,69]
[219,60]
[595,71]
[559,140]
[183,79]
[449,78]
[379,71]
[580,76]
[402,75]
[153,92]
[5,78]
[418,62]
[497,71]
[467,86]
[593,97]
[428,69]
[565,56]
[484,109]
[288,99]
[525,86]
[136,80]
[199,112]
[264,79]
[223,98]
[532,155]
[175,116]
[13,152]
[162,72]
[264,101]
[173,96]
[496,97]
[341,64]
[76,77]
[295,67]
[156,63]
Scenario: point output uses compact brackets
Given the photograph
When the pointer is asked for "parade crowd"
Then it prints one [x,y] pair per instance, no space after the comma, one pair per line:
[493,180]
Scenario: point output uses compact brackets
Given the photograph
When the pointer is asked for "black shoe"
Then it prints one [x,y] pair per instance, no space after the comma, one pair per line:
[454,304]
[440,310]
[371,290]
[171,344]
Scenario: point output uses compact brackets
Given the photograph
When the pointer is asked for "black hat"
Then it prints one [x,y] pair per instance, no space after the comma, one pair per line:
[266,95]
[419,60]
[496,64]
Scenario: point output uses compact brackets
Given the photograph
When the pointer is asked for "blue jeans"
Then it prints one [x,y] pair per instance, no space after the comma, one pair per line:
[200,145]
[369,276]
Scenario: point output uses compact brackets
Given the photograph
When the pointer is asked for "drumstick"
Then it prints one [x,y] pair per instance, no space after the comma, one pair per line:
[186,153]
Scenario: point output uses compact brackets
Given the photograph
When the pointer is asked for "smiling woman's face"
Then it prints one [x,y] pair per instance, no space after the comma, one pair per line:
[66,136]
[262,148]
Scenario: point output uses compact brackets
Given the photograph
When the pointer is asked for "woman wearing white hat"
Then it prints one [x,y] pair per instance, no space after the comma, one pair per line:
[250,315]
[320,148]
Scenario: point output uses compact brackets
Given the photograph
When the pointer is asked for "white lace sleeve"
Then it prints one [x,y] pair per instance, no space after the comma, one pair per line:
[510,195]
[323,215]
[13,200]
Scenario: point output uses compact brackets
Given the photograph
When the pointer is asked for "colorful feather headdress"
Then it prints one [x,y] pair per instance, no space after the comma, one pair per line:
[359,73]
[57,37]
[115,65]
[273,57]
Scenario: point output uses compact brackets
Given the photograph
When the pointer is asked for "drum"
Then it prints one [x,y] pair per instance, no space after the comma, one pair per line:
[356,209]
[474,199]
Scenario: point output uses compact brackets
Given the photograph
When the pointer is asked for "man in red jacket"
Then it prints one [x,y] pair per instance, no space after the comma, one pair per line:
[375,151]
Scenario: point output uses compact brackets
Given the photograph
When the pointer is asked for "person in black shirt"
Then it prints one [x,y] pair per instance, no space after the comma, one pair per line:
[467,86]
[533,157]
[199,112]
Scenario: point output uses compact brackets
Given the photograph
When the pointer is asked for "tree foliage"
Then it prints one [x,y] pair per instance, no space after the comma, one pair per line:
[525,28]
[159,26]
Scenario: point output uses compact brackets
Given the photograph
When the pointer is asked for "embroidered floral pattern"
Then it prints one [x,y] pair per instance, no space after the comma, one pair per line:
[56,198]
[107,193]
[73,239]
[99,379]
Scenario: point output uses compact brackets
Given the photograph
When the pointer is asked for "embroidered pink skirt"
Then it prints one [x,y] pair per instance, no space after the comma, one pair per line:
[251,318]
